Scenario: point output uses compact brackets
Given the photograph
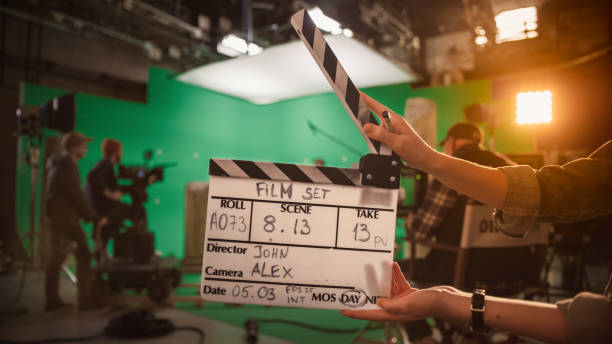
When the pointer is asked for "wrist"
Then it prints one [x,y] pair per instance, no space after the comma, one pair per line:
[455,305]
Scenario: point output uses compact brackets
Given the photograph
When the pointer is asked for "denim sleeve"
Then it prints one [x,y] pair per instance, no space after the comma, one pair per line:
[523,197]
[577,191]
[522,204]
[588,318]
[512,225]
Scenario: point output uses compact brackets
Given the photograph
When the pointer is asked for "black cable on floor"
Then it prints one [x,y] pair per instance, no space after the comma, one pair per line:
[132,325]
[193,329]
[53,340]
[89,338]
[13,312]
[309,326]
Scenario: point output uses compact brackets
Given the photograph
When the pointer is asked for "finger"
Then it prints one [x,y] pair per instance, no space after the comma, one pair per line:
[397,121]
[399,277]
[379,133]
[372,315]
[393,306]
[395,287]
[404,293]
[375,315]
[375,106]
[378,109]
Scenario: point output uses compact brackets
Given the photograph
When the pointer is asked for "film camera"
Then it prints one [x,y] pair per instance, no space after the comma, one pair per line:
[139,178]
[135,265]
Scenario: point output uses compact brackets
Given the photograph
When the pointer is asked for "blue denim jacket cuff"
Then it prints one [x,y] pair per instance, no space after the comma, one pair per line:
[523,197]
[512,225]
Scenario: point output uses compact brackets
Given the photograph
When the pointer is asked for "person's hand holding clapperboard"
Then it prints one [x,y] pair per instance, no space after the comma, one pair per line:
[552,323]
[406,303]
[402,139]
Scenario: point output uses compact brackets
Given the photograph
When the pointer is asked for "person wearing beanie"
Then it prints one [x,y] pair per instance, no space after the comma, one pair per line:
[65,205]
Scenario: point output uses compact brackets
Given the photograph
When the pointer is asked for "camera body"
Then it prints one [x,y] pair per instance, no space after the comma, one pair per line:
[134,180]
[139,178]
[135,264]
[139,175]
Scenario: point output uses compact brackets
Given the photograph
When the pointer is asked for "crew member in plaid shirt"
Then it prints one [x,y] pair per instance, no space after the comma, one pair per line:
[441,215]
[438,200]
[441,212]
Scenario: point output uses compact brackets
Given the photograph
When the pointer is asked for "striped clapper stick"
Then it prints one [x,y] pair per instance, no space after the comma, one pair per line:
[296,236]
[336,75]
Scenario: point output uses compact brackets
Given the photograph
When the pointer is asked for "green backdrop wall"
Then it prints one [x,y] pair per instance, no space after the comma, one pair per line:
[188,125]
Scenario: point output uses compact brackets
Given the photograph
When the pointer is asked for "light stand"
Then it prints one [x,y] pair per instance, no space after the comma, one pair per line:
[33,162]
[28,127]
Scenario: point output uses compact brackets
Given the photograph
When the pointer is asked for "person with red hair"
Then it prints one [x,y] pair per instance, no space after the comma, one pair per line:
[105,194]
[112,149]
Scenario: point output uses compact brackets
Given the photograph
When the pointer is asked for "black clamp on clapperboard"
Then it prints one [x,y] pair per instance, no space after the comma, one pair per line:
[304,236]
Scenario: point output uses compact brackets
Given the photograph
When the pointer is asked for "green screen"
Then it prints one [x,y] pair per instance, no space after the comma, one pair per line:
[189,125]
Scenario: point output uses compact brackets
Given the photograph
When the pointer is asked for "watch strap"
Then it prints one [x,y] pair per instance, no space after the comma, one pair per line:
[478,308]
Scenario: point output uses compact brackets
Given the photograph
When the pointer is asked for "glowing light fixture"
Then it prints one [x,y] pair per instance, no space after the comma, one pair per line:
[288,71]
[481,40]
[481,36]
[517,24]
[534,107]
[232,45]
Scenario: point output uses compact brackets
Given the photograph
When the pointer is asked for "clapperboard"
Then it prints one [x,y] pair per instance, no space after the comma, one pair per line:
[304,236]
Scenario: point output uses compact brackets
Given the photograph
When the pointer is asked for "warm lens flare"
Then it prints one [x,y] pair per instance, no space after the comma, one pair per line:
[534,107]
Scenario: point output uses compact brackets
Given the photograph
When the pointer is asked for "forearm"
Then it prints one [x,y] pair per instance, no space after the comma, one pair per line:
[481,183]
[536,320]
[484,184]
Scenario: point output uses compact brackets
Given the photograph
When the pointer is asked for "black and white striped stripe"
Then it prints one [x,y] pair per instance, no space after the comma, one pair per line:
[336,75]
[282,172]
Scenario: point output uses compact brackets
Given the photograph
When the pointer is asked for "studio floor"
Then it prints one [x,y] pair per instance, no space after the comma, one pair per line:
[26,320]
[222,323]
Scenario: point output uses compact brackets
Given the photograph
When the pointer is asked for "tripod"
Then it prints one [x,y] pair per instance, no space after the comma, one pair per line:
[33,162]
[32,158]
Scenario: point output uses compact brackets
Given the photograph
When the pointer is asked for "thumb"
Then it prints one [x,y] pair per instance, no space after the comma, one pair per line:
[394,306]
[379,133]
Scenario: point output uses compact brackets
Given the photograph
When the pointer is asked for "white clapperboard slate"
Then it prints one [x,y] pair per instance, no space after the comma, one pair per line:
[304,236]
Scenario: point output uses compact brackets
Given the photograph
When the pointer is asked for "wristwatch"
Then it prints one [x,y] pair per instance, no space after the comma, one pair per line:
[478,309]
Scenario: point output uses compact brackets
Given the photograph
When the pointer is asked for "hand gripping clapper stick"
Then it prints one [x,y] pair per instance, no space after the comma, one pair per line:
[336,75]
[375,166]
[303,236]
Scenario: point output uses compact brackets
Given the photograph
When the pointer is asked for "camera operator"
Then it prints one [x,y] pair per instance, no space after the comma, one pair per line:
[105,194]
[65,204]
